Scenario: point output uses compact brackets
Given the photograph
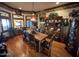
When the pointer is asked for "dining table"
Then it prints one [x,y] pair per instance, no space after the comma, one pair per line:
[40,37]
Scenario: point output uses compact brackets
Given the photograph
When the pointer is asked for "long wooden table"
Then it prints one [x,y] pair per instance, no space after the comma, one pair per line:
[39,37]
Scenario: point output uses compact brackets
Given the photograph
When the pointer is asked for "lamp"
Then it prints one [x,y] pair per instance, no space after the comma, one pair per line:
[33,18]
[46,17]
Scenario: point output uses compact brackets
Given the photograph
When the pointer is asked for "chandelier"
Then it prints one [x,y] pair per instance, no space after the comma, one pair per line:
[33,18]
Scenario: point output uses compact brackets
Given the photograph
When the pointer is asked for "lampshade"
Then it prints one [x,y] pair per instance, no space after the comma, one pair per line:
[33,15]
[46,17]
[33,18]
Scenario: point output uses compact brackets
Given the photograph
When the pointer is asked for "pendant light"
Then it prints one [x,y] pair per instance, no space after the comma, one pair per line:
[33,18]
[46,17]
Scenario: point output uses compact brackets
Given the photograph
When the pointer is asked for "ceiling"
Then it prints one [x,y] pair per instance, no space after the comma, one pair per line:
[33,6]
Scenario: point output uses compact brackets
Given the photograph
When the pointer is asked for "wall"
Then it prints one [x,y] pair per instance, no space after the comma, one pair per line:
[63,12]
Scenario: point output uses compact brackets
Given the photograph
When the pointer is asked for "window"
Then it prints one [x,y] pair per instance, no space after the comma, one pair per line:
[18,23]
[5,24]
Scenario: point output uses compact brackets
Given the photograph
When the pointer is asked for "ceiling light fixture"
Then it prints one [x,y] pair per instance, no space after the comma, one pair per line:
[33,14]
[20,8]
[57,3]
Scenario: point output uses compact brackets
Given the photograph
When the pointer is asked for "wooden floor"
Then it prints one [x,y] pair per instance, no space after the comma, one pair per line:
[18,48]
[58,50]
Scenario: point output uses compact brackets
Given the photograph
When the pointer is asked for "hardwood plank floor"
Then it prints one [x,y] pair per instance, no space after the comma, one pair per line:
[18,48]
[58,49]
